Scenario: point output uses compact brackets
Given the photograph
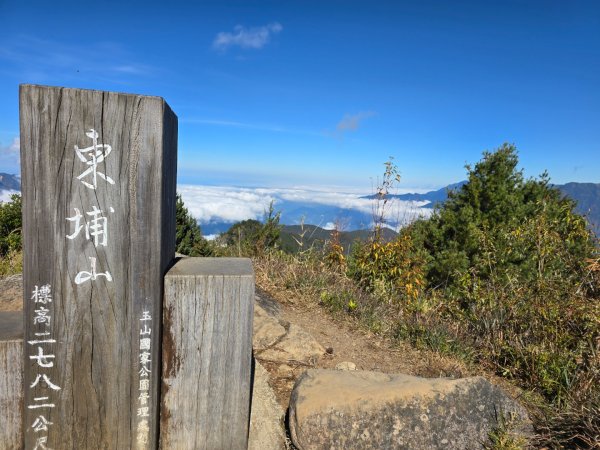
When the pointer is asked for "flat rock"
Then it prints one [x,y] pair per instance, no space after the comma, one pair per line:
[345,365]
[296,345]
[266,415]
[369,410]
[267,329]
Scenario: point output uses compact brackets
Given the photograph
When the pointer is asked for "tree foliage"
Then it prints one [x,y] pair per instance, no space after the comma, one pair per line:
[188,235]
[511,259]
[532,230]
[251,237]
[10,225]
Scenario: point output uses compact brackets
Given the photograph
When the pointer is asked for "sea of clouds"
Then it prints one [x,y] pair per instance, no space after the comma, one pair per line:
[225,204]
[5,195]
[218,207]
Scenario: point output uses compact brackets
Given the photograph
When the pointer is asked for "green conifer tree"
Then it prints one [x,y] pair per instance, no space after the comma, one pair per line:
[188,235]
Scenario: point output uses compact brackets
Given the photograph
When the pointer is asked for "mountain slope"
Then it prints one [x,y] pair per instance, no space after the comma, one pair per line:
[434,197]
[296,238]
[587,196]
[9,182]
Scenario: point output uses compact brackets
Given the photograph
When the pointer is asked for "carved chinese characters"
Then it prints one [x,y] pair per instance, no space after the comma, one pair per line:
[145,354]
[97,153]
[40,351]
[96,228]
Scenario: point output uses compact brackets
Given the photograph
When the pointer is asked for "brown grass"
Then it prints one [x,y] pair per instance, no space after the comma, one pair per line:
[306,280]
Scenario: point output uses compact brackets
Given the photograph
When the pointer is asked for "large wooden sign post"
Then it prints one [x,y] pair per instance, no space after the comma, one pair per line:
[98,185]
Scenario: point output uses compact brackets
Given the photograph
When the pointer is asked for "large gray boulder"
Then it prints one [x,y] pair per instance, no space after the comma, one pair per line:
[335,409]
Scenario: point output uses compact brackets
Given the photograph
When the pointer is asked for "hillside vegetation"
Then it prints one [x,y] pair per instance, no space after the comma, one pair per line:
[504,276]
[298,238]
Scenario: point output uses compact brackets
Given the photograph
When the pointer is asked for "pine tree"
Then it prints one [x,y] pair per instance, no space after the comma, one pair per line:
[188,235]
[522,220]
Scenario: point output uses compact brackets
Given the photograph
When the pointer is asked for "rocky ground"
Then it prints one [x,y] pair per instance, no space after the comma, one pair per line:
[338,342]
[11,293]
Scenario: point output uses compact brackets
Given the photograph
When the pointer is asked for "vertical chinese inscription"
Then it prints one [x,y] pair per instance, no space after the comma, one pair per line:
[97,227]
[145,354]
[40,351]
[98,177]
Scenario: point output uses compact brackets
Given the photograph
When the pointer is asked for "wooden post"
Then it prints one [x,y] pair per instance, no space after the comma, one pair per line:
[207,354]
[11,379]
[98,184]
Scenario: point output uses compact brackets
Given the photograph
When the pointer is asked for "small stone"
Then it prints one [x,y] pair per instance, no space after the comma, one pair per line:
[284,371]
[345,365]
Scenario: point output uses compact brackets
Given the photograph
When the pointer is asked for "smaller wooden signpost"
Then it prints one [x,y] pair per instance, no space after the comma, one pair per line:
[207,354]
[11,379]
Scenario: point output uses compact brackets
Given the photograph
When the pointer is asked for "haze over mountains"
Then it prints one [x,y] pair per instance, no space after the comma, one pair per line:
[9,182]
[587,196]
[218,207]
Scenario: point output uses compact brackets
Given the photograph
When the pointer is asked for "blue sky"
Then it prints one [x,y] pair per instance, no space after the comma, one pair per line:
[321,93]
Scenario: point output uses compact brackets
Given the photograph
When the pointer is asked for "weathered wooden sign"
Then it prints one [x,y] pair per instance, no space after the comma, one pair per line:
[98,185]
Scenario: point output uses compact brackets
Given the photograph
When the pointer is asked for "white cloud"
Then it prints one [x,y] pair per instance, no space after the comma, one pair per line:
[10,155]
[12,148]
[331,198]
[351,122]
[249,126]
[224,204]
[232,204]
[42,60]
[243,37]
[132,69]
[5,195]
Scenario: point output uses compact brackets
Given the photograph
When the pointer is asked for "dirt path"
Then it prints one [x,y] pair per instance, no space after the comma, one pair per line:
[345,343]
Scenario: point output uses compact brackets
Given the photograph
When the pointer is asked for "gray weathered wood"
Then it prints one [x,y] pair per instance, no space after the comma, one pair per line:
[11,379]
[207,354]
[96,323]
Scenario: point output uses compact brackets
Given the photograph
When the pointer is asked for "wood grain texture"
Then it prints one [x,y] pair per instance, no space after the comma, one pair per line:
[96,324]
[11,379]
[207,354]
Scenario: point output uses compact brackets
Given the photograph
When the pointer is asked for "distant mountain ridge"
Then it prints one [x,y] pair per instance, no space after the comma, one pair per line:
[587,196]
[296,238]
[434,197]
[9,182]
